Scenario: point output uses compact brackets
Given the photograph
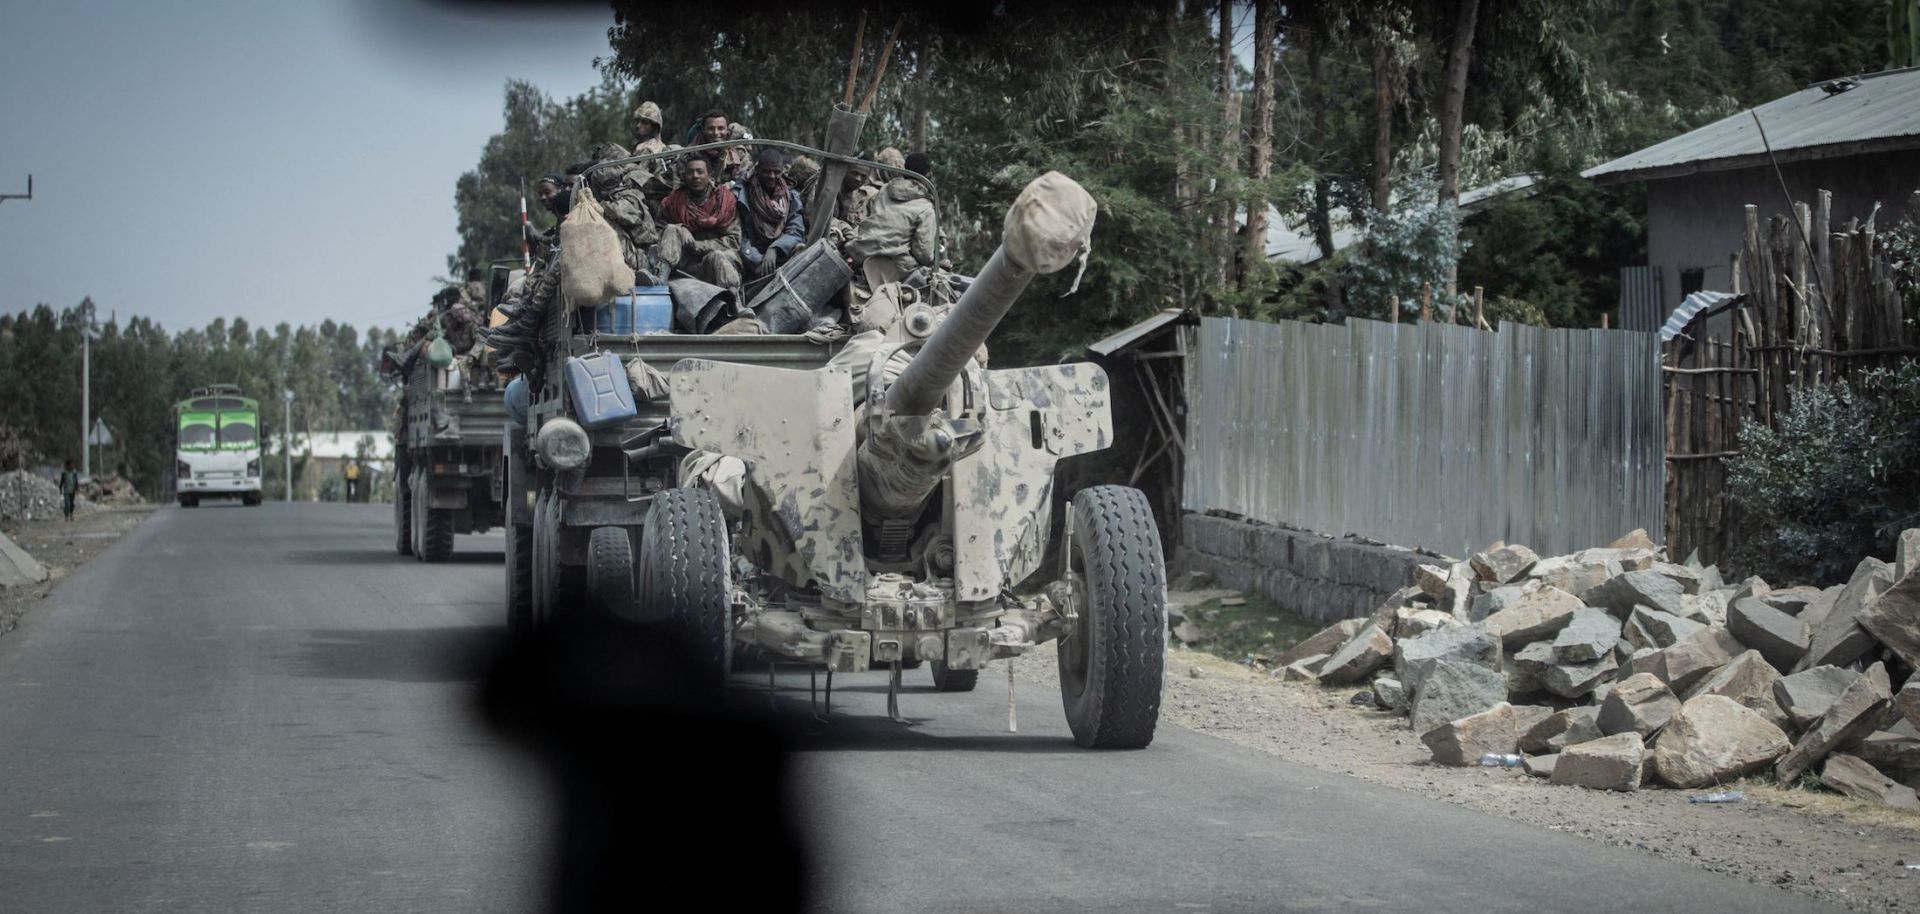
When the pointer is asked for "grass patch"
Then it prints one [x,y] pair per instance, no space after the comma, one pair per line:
[1827,803]
[1257,631]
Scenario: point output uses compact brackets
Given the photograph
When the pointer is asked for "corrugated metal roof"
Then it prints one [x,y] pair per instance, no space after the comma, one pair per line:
[1141,332]
[1880,113]
[1292,241]
[1697,302]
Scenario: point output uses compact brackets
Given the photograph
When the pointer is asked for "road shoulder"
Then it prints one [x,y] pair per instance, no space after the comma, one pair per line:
[64,547]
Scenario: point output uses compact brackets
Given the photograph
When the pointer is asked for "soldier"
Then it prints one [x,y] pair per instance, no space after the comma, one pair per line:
[901,232]
[646,129]
[474,292]
[657,178]
[624,204]
[773,218]
[723,165]
[702,235]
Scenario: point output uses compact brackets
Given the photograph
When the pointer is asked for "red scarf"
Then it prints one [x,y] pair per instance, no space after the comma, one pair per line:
[769,208]
[711,214]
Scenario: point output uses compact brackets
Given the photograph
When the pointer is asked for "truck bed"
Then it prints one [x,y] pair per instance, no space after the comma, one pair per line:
[438,417]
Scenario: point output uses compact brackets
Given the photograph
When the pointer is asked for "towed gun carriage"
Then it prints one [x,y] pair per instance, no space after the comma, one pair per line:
[873,507]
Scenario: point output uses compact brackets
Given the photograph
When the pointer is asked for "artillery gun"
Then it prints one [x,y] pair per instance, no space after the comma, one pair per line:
[898,519]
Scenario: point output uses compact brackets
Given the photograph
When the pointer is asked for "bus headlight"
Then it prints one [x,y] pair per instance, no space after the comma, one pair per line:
[253,467]
[181,469]
[564,444]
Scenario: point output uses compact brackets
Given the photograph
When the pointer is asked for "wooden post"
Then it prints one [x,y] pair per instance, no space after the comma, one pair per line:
[1479,306]
[1604,317]
[1453,303]
[1733,274]
[1426,302]
[853,69]
[880,71]
[1394,308]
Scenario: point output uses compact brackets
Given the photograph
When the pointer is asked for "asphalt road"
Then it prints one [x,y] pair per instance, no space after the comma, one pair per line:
[266,710]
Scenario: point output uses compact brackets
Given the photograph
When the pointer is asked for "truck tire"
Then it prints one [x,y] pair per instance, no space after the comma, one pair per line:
[519,579]
[436,537]
[189,501]
[1112,661]
[417,513]
[685,580]
[610,570]
[403,515]
[549,597]
[946,680]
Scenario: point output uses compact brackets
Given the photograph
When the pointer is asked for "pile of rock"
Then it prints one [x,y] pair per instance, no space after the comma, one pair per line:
[1613,668]
[25,496]
[111,490]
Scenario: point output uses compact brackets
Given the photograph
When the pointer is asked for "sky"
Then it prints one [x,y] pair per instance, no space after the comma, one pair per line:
[287,161]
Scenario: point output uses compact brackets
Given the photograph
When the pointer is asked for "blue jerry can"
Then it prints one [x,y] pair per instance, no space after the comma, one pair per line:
[601,394]
[648,310]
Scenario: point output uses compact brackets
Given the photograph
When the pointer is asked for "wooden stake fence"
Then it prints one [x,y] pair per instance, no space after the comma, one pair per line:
[1819,312]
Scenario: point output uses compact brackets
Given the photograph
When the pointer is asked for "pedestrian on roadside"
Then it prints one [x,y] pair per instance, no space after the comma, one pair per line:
[69,487]
[353,481]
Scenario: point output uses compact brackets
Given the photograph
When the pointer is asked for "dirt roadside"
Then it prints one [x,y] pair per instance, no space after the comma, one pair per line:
[64,547]
[1821,845]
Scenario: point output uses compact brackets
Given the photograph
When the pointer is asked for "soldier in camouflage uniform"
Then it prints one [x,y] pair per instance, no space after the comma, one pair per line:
[702,235]
[659,177]
[623,202]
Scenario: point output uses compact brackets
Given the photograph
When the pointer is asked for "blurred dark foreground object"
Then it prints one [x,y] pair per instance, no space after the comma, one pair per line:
[669,799]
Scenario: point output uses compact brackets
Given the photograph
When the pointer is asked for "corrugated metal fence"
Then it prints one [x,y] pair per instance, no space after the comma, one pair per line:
[1429,435]
[1642,303]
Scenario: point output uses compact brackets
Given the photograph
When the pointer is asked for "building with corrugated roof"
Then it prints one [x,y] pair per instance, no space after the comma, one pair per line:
[1855,137]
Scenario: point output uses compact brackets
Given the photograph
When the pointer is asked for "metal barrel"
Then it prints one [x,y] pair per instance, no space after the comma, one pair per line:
[1048,225]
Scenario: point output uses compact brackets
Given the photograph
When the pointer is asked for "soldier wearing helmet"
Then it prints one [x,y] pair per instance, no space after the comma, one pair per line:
[646,129]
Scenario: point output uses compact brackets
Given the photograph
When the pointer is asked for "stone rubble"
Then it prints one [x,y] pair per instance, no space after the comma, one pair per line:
[1613,668]
[30,496]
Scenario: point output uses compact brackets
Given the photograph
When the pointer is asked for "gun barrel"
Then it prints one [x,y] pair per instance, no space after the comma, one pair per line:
[1047,227]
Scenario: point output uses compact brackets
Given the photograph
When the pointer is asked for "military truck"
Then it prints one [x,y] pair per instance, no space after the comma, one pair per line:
[852,508]
[449,475]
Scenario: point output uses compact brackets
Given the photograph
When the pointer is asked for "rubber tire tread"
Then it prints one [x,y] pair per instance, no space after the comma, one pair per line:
[519,579]
[1124,581]
[544,573]
[403,513]
[945,680]
[685,561]
[417,515]
[436,538]
[610,570]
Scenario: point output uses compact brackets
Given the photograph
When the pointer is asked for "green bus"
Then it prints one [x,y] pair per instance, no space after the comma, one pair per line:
[217,452]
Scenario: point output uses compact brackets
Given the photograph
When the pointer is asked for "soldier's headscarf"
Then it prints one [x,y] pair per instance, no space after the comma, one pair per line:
[769,205]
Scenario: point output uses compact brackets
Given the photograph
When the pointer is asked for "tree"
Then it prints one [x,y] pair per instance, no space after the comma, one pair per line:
[1453,110]
[538,137]
[1260,167]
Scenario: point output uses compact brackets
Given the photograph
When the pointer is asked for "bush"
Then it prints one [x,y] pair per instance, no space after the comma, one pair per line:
[1837,481]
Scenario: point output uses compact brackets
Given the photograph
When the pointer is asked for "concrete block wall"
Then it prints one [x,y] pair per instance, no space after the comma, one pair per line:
[1316,576]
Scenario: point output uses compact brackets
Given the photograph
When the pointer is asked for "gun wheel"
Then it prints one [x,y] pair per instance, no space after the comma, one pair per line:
[610,570]
[1112,661]
[685,581]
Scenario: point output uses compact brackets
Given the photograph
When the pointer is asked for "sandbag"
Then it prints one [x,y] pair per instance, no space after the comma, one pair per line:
[439,352]
[593,268]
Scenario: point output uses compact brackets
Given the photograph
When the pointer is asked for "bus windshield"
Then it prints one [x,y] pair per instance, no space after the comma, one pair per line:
[196,431]
[238,432]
